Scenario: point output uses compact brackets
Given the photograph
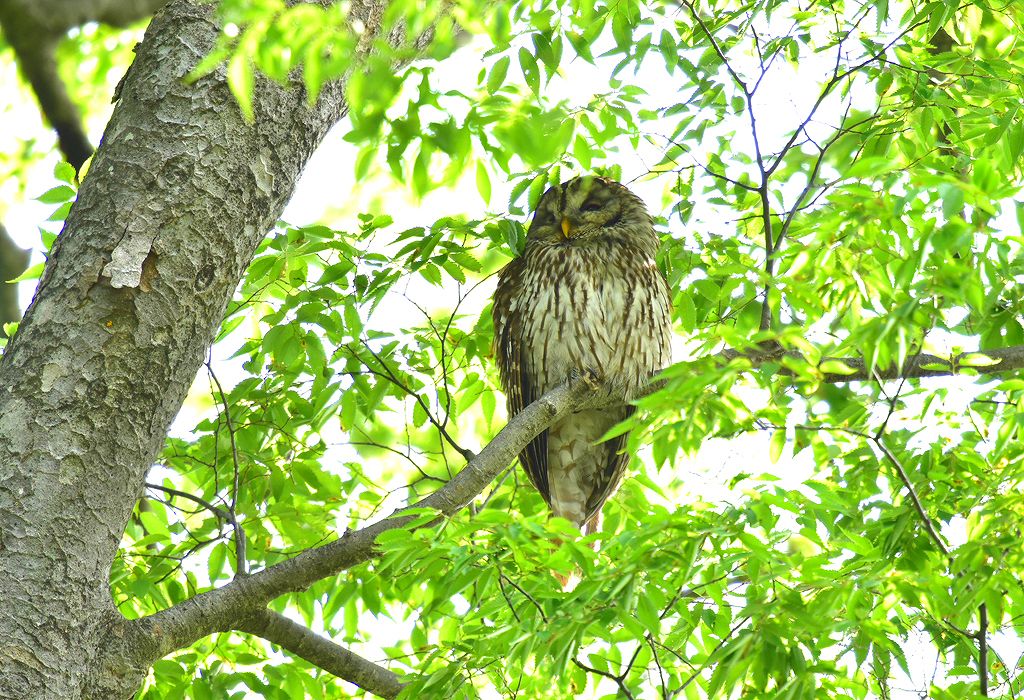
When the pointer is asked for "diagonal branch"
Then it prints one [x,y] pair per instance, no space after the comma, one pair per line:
[35,50]
[33,29]
[13,261]
[236,604]
[222,608]
[322,652]
[929,526]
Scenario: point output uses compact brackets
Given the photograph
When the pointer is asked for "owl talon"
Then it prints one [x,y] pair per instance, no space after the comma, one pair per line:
[589,376]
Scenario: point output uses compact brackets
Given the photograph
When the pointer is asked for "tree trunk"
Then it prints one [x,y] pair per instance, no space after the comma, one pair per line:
[180,193]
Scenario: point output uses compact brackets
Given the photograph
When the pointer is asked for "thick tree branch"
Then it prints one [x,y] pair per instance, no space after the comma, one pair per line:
[237,604]
[182,191]
[33,28]
[34,46]
[58,16]
[320,651]
[222,608]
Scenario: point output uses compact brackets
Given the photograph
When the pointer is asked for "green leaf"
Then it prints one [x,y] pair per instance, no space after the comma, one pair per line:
[976,360]
[836,367]
[56,195]
[32,273]
[776,445]
[240,81]
[64,172]
[496,77]
[483,182]
[648,615]
[531,72]
[537,188]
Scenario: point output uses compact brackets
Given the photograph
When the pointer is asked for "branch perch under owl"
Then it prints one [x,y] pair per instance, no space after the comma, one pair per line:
[234,605]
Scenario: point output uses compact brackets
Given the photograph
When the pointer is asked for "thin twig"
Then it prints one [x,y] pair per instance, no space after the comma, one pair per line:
[502,576]
[929,526]
[390,375]
[216,510]
[721,643]
[983,650]
[714,45]
[241,558]
[623,688]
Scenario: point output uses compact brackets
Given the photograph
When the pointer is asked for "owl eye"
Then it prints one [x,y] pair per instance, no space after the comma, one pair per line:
[590,205]
[545,218]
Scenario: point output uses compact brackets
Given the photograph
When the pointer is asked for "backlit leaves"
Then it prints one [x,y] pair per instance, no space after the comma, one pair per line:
[780,538]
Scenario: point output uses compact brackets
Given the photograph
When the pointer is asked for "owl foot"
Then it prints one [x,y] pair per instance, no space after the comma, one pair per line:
[591,376]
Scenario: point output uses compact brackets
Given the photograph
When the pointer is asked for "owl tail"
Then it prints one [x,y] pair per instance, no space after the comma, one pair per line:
[588,528]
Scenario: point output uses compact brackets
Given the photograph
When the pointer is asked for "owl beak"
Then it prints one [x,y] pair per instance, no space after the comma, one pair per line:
[566,227]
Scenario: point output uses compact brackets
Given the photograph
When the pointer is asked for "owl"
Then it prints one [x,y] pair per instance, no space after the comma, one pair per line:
[584,295]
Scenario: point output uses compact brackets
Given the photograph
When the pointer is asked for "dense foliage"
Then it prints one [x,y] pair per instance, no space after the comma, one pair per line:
[837,180]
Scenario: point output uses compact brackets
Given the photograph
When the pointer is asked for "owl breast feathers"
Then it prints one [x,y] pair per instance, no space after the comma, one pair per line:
[584,295]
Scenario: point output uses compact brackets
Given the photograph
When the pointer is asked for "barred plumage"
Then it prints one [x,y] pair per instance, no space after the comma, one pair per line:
[585,294]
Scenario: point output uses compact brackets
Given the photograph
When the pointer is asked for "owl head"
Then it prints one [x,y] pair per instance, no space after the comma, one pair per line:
[587,209]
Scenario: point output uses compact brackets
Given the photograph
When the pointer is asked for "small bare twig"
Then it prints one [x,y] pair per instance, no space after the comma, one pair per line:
[929,526]
[221,513]
[241,558]
[624,690]
[390,376]
[696,674]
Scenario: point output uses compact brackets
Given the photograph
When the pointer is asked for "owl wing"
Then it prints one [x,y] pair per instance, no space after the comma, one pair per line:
[652,311]
[608,478]
[520,389]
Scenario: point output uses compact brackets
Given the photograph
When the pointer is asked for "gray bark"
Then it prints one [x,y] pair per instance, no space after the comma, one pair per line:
[57,16]
[180,193]
[919,366]
[240,605]
[308,645]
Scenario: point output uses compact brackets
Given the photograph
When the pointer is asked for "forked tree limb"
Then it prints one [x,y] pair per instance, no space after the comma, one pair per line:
[234,605]
[241,604]
[323,653]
